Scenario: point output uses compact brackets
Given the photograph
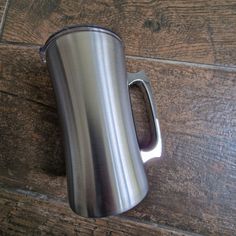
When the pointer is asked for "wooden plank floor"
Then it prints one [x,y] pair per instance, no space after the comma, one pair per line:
[188,50]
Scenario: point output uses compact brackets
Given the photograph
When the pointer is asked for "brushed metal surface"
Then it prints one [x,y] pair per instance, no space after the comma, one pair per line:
[105,171]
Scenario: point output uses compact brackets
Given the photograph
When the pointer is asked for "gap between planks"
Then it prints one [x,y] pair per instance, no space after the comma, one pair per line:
[47,198]
[159,60]
[185,63]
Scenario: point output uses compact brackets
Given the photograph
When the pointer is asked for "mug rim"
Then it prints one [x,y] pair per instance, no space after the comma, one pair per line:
[72,29]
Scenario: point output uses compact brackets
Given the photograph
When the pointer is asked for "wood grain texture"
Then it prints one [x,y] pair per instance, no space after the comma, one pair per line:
[193,185]
[30,137]
[27,215]
[196,31]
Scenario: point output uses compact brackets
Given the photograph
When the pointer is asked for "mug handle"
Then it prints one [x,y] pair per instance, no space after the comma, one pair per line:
[155,147]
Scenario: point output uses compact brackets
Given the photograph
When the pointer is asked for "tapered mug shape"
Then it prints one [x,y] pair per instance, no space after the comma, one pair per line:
[105,171]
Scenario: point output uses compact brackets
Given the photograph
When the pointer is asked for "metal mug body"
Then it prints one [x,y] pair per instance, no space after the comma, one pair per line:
[105,171]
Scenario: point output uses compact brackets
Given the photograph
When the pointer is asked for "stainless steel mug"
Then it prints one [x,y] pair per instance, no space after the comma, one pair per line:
[105,171]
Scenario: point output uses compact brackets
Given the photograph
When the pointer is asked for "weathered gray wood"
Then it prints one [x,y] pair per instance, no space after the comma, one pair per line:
[26,215]
[193,185]
[197,31]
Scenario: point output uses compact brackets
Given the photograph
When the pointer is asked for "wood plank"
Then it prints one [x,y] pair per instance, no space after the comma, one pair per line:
[193,185]
[30,134]
[26,215]
[197,31]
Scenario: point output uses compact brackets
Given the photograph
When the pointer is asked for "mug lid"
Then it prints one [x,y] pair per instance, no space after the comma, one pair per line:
[72,29]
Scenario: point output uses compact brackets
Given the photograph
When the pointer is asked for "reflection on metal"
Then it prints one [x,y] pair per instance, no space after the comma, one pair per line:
[105,171]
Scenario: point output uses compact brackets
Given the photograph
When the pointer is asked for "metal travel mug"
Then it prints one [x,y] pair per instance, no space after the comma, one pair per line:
[105,169]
